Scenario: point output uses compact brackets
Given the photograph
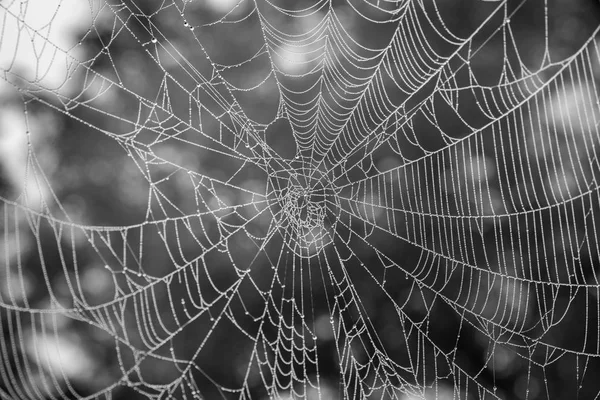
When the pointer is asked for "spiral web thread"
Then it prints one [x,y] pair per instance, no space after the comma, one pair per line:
[487,172]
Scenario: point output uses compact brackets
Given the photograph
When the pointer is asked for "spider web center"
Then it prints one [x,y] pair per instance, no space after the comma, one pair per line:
[305,207]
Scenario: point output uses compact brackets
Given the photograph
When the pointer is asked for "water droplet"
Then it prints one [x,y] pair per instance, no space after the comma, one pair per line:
[154,40]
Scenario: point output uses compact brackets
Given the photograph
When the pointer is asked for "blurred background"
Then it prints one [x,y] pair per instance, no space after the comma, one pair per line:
[147,249]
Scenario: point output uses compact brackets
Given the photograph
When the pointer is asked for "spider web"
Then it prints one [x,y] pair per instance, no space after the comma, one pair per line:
[361,199]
